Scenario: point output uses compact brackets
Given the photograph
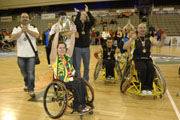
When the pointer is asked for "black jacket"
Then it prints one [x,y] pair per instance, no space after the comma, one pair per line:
[84,40]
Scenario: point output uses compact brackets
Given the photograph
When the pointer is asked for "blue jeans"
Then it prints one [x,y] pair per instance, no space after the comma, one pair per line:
[27,67]
[82,53]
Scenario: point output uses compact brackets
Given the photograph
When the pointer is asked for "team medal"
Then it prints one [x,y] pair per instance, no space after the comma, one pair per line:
[83,32]
[143,44]
[109,56]
[25,39]
[144,50]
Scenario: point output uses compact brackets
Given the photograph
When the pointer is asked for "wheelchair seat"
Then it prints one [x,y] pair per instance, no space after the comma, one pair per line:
[100,71]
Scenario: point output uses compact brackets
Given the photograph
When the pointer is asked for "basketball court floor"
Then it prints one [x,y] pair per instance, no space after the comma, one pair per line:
[110,103]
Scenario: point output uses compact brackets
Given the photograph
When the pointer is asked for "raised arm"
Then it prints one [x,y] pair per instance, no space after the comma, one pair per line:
[77,20]
[129,43]
[91,18]
[54,46]
[161,42]
[72,41]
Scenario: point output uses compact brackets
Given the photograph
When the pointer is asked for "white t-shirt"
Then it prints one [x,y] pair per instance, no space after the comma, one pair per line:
[24,48]
[105,34]
[60,27]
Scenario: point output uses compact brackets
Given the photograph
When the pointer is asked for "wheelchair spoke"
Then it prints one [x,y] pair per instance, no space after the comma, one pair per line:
[97,70]
[159,82]
[118,70]
[90,93]
[126,79]
[55,99]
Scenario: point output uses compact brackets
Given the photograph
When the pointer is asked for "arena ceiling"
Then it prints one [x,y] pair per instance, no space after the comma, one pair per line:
[14,4]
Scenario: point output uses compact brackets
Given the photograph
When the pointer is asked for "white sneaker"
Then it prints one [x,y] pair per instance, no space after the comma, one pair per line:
[144,92]
[25,88]
[85,110]
[109,77]
[149,92]
[32,94]
[112,78]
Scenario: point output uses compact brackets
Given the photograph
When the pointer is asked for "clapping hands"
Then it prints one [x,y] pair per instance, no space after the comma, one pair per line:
[24,28]
[86,9]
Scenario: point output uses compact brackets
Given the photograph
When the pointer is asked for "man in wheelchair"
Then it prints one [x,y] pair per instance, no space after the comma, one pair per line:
[141,51]
[108,51]
[60,60]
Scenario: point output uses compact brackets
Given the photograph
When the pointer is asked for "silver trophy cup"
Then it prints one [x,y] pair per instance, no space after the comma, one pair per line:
[66,27]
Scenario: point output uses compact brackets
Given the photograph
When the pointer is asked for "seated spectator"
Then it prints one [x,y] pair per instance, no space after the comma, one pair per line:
[115,21]
[127,14]
[144,19]
[151,30]
[101,21]
[98,38]
[112,21]
[105,34]
[93,35]
[111,32]
[104,22]
[118,35]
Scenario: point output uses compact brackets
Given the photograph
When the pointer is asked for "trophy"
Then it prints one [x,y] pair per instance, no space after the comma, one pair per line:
[66,27]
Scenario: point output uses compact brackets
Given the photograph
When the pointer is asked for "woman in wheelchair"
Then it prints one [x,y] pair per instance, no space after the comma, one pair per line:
[108,51]
[60,59]
[141,50]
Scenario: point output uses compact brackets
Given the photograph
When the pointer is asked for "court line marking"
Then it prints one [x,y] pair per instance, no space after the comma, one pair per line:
[173,104]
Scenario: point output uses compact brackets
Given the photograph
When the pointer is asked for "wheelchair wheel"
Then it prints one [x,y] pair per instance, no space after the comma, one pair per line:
[126,79]
[118,70]
[90,92]
[55,99]
[123,63]
[6,47]
[159,81]
[97,70]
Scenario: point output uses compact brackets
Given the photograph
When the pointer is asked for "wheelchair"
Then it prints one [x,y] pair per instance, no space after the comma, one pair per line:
[131,84]
[100,70]
[5,46]
[58,100]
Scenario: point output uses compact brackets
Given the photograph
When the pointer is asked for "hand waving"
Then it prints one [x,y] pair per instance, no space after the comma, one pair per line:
[86,8]
[76,10]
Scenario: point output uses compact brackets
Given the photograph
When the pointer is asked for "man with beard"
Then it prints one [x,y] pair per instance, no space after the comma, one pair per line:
[25,54]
